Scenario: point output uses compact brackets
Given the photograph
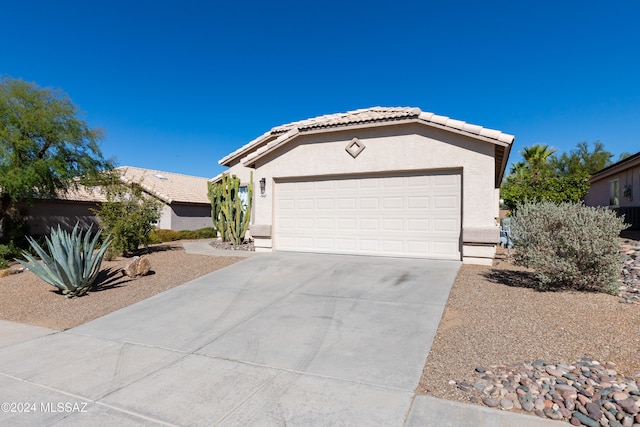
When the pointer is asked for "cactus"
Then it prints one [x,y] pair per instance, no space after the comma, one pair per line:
[216,196]
[230,218]
[71,264]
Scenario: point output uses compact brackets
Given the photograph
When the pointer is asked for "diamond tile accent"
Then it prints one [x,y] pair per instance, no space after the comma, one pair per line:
[355,147]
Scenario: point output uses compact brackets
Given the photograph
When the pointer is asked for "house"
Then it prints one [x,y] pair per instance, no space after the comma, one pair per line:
[185,205]
[74,206]
[184,202]
[618,187]
[394,182]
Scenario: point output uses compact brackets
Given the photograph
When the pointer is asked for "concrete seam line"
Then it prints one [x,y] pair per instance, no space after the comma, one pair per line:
[86,399]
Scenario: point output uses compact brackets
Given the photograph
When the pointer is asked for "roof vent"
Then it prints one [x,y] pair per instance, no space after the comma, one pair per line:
[159,176]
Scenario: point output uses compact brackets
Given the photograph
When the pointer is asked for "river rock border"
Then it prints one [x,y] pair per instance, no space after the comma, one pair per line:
[586,392]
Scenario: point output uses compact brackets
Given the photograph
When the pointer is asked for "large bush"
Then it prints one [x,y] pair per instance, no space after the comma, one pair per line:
[569,245]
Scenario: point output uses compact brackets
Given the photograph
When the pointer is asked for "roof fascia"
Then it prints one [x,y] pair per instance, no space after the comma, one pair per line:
[263,139]
[617,167]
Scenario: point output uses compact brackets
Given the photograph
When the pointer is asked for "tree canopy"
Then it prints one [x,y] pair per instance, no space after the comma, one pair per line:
[44,144]
[545,176]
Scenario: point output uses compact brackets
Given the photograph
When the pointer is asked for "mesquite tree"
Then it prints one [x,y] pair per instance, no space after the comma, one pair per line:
[44,145]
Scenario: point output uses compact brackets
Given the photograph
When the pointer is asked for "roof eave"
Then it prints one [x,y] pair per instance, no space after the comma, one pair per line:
[505,140]
[617,167]
[246,149]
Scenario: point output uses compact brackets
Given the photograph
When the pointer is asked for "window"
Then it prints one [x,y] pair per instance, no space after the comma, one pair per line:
[243,195]
[614,193]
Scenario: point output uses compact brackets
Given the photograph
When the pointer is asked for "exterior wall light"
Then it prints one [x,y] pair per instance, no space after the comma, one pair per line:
[263,185]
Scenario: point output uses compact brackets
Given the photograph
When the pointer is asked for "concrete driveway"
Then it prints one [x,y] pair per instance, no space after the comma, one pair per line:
[277,339]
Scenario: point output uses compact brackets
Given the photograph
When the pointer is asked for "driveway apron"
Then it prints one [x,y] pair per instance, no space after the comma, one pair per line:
[281,338]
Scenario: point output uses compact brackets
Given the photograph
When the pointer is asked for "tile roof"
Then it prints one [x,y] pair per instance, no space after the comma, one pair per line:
[281,134]
[168,187]
[81,193]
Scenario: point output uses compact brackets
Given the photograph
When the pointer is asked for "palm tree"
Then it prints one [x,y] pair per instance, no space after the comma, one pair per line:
[536,158]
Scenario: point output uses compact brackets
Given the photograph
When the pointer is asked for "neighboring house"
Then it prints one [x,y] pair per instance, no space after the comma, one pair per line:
[377,181]
[618,187]
[185,205]
[70,208]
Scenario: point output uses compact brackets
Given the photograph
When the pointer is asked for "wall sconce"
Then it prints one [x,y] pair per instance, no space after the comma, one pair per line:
[263,186]
[628,193]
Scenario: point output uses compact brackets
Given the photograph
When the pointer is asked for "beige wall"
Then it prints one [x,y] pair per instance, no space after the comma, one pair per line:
[185,217]
[241,171]
[388,149]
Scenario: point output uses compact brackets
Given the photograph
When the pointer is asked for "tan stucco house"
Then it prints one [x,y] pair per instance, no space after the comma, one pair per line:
[184,202]
[618,187]
[394,182]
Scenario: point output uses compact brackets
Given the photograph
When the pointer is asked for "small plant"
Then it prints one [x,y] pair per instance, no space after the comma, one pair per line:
[71,264]
[569,245]
[7,253]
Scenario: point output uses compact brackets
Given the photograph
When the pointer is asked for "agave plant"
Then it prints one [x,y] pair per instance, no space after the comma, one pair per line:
[72,264]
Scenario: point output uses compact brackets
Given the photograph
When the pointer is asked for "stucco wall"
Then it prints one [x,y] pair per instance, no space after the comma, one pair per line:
[166,215]
[179,216]
[47,214]
[241,171]
[397,148]
[598,194]
[388,149]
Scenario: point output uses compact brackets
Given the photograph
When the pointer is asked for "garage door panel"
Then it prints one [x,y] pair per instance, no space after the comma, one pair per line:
[410,216]
[325,203]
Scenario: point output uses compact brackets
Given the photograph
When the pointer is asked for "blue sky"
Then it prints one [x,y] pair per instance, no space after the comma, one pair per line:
[177,85]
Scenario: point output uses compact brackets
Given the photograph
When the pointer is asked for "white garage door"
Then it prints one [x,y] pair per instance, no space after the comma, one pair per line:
[407,216]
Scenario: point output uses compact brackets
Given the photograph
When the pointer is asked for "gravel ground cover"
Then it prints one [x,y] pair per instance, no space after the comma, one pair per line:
[497,330]
[26,299]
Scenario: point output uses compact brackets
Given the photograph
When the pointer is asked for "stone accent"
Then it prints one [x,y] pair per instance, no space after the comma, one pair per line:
[139,266]
[585,392]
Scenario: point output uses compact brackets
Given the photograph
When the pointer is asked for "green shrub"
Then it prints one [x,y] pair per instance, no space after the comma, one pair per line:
[128,215]
[71,264]
[203,233]
[7,254]
[569,245]
[162,235]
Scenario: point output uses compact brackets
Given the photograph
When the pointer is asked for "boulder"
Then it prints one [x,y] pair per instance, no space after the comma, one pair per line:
[138,267]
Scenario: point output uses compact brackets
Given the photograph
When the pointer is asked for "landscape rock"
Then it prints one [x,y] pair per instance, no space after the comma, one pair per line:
[588,393]
[138,267]
[11,270]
